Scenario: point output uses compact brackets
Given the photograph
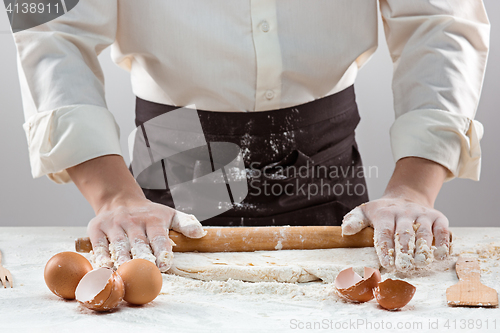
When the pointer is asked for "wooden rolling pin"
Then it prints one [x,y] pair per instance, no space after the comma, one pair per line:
[248,239]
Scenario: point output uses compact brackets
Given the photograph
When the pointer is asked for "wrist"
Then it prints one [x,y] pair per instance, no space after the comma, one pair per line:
[406,192]
[106,182]
[416,179]
[121,199]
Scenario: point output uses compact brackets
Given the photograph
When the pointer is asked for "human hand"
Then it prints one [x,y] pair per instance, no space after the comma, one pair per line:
[138,228]
[127,223]
[403,231]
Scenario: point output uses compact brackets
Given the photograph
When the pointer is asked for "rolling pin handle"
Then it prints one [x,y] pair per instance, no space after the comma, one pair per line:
[83,245]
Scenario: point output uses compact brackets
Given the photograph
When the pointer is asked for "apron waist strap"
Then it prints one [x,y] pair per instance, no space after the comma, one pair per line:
[328,108]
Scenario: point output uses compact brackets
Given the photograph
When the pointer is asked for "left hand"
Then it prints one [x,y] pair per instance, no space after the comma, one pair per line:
[404,230]
[404,219]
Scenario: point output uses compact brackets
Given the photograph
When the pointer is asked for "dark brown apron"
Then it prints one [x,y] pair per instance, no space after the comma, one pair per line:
[303,165]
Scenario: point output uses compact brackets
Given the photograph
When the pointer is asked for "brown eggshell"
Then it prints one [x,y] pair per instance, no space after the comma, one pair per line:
[142,279]
[368,271]
[100,290]
[394,294]
[64,271]
[117,294]
[352,287]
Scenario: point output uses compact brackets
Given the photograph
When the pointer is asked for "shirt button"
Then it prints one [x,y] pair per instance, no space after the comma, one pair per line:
[269,94]
[264,26]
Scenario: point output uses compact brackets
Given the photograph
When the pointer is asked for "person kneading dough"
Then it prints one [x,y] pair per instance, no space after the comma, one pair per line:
[274,78]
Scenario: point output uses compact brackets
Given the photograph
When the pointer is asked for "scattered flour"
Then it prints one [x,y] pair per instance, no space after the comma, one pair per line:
[188,305]
[489,251]
[175,285]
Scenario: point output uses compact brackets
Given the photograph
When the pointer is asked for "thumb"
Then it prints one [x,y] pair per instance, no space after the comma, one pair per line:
[354,221]
[188,225]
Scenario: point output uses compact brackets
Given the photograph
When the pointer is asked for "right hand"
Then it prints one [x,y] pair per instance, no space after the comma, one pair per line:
[138,228]
[126,222]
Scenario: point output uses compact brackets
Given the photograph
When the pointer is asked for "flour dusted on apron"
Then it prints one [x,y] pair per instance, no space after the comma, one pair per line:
[302,163]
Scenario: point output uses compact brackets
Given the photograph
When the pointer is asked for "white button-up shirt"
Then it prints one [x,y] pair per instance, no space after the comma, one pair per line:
[250,56]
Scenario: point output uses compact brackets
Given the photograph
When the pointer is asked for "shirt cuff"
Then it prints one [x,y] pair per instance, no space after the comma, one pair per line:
[451,140]
[68,136]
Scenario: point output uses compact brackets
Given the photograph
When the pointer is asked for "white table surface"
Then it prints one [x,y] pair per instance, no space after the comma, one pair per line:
[187,305]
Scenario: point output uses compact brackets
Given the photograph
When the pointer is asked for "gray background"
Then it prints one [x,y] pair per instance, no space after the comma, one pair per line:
[28,202]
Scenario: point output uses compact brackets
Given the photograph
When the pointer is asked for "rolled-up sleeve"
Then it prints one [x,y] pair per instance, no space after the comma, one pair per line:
[62,87]
[439,49]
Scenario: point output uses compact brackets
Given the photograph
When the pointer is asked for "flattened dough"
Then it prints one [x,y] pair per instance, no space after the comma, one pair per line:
[280,266]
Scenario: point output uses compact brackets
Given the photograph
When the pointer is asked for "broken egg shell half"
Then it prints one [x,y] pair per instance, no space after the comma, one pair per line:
[394,294]
[100,289]
[352,287]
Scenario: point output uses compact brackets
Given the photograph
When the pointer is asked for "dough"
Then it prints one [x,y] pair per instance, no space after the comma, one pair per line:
[280,266]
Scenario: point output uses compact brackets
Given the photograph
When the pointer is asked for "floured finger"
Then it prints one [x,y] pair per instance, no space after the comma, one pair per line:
[139,243]
[354,221]
[99,256]
[383,240]
[119,247]
[188,225]
[162,247]
[423,235]
[442,238]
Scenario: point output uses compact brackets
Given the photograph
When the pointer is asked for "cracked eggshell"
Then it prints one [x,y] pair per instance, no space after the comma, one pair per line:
[352,287]
[394,294]
[64,271]
[142,279]
[100,289]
